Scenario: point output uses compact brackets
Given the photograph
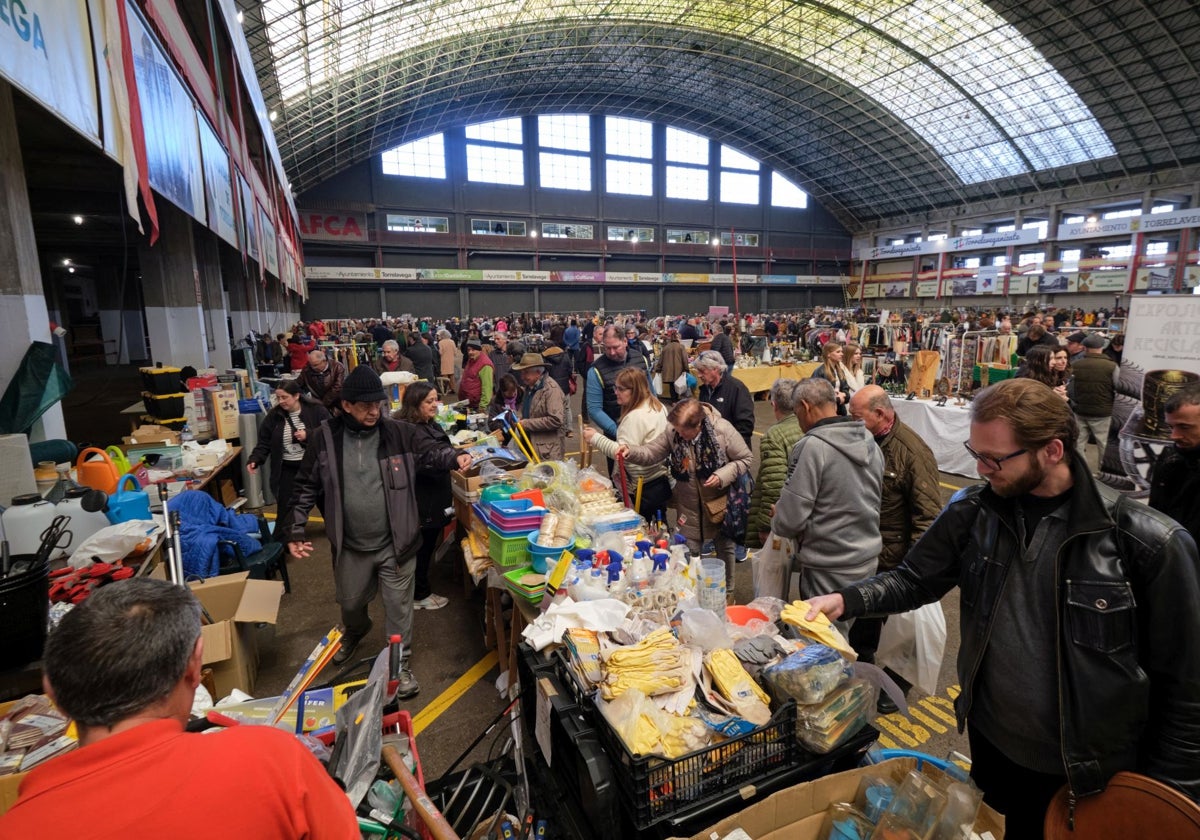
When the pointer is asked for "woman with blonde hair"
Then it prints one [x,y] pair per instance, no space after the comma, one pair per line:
[830,369]
[643,418]
[852,367]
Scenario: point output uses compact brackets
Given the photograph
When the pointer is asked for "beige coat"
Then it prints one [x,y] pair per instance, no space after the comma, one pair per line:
[687,494]
[544,423]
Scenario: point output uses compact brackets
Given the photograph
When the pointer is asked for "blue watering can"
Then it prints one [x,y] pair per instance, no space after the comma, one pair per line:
[125,505]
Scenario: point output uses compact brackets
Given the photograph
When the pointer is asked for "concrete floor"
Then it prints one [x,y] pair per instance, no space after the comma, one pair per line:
[450,641]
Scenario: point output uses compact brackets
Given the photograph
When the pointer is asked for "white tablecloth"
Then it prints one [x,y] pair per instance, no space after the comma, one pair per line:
[944,429]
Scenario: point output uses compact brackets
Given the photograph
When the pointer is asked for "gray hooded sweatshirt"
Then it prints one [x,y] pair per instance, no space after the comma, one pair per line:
[830,503]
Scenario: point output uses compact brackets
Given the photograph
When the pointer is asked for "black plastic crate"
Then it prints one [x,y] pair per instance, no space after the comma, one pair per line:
[655,789]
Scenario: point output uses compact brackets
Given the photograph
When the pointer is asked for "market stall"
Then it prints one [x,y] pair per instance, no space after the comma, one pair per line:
[762,377]
[944,428]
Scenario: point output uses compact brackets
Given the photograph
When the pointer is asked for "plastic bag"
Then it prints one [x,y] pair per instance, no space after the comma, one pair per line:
[913,643]
[116,542]
[703,629]
[648,730]
[823,726]
[808,675]
[772,567]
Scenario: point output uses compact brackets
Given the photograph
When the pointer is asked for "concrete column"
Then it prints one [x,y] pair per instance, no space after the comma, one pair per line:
[215,310]
[173,293]
[464,301]
[246,298]
[537,301]
[24,317]
[121,317]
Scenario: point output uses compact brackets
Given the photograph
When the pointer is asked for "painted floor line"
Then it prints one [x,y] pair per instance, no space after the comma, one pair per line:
[425,718]
[949,486]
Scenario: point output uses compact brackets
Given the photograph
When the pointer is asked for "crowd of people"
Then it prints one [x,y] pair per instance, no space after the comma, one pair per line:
[1077,611]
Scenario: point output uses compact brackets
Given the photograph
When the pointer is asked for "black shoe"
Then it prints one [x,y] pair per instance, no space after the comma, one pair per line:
[886,705]
[349,643]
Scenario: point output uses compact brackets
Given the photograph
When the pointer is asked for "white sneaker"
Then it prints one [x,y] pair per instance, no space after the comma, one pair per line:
[433,602]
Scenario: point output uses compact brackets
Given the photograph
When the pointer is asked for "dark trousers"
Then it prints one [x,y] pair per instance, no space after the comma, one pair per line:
[429,543]
[283,498]
[656,495]
[1020,794]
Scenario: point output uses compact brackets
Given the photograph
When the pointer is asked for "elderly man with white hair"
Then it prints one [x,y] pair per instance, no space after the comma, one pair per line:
[730,397]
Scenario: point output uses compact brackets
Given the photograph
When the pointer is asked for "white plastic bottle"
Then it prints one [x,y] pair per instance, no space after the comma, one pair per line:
[25,521]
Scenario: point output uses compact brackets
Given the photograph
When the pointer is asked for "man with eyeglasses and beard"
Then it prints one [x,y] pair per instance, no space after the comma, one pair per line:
[1078,616]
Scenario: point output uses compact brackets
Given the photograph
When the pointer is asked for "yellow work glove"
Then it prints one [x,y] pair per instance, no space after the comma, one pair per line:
[820,629]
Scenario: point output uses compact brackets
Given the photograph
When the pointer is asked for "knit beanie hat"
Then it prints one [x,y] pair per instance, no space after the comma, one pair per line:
[363,385]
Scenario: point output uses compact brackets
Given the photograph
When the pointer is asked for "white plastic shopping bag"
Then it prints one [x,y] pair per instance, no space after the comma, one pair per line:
[912,644]
[772,567]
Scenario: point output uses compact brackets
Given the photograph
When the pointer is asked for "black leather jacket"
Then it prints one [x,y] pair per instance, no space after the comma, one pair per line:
[1128,635]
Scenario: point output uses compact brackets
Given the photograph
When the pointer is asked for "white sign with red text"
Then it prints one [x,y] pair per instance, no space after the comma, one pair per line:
[328,226]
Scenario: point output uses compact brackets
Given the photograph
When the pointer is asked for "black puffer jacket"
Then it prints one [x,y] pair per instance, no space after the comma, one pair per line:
[1128,637]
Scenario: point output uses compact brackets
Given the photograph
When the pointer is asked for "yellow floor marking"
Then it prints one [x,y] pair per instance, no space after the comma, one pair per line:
[899,727]
[940,707]
[424,718]
[919,715]
[311,518]
[949,486]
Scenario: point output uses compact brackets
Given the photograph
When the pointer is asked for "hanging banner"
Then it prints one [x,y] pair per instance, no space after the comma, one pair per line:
[169,122]
[963,286]
[950,244]
[927,288]
[688,278]
[326,226]
[249,218]
[449,274]
[534,276]
[1101,281]
[1129,225]
[1055,282]
[218,184]
[1155,279]
[328,272]
[895,290]
[46,51]
[501,276]
[870,290]
[577,276]
[269,244]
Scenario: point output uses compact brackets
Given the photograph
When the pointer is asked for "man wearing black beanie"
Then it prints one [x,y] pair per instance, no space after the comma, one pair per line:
[364,464]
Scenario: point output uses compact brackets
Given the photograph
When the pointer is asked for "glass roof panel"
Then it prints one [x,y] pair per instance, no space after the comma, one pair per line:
[909,56]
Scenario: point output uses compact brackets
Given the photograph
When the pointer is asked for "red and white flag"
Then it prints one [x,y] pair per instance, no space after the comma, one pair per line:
[129,134]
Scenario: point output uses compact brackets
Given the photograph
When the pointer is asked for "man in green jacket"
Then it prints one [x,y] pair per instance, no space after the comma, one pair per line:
[910,502]
[773,458]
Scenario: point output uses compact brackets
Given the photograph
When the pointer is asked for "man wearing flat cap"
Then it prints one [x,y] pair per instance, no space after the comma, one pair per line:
[1094,387]
[1075,346]
[541,407]
[364,466]
[475,386]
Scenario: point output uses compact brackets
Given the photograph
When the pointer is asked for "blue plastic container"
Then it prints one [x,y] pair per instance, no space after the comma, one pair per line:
[543,559]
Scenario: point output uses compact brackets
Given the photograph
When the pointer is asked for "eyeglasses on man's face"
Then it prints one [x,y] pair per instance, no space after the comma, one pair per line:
[990,461]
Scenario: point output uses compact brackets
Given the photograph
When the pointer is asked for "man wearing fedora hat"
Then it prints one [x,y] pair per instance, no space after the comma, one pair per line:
[363,465]
[542,407]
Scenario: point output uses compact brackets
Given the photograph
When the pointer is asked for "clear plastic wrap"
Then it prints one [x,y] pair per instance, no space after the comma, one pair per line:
[808,675]
[823,726]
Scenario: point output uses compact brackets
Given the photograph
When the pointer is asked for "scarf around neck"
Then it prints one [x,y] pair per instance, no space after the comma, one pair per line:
[708,454]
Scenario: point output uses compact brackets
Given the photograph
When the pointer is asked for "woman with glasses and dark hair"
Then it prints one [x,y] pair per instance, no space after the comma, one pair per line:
[643,419]
[282,437]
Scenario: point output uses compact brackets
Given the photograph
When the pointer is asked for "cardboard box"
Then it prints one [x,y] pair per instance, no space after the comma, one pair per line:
[236,605]
[472,483]
[799,812]
[222,407]
[9,785]
[151,436]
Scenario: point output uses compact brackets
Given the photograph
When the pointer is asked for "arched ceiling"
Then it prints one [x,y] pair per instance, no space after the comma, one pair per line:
[878,108]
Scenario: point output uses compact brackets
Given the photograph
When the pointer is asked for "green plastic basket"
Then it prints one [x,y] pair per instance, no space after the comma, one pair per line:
[508,552]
